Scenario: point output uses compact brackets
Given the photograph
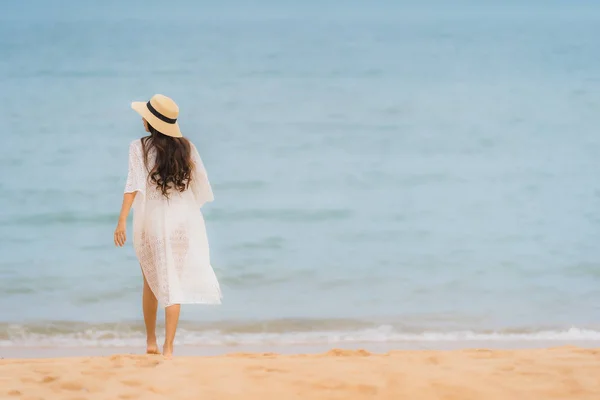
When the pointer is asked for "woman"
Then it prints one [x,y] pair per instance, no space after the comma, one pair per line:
[166,185]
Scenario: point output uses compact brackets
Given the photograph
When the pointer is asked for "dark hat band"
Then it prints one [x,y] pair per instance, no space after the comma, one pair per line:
[160,116]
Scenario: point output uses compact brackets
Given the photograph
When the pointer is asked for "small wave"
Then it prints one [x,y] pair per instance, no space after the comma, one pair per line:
[124,335]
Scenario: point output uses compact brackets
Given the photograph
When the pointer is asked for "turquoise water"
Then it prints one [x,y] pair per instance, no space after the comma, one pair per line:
[382,172]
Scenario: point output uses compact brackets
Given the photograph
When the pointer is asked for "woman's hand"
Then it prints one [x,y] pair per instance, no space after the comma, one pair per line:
[121,231]
[121,234]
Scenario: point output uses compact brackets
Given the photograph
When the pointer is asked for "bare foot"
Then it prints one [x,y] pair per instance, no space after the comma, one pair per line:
[152,347]
[168,351]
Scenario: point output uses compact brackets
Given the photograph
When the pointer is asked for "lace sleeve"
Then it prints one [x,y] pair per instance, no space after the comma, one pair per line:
[200,184]
[136,176]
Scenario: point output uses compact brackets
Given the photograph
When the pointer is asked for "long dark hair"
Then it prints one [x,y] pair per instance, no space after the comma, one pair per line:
[173,166]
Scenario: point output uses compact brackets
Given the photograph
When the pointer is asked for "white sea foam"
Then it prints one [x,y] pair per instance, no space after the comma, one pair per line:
[382,334]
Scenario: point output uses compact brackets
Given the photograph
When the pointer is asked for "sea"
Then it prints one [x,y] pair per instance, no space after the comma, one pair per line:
[386,172]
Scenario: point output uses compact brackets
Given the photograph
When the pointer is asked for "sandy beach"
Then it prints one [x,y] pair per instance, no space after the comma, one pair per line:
[554,373]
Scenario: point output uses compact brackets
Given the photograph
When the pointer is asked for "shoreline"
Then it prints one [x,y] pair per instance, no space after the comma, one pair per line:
[559,372]
[40,352]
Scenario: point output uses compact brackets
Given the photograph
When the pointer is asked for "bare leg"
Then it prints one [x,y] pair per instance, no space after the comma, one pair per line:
[171,321]
[150,305]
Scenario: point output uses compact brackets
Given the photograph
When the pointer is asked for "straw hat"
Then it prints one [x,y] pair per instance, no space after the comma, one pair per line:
[161,112]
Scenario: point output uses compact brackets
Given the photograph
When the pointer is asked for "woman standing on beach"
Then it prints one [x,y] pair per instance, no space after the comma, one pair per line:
[166,185]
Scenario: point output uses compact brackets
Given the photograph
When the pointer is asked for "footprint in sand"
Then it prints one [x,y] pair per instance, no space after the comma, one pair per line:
[147,363]
[131,383]
[433,360]
[49,378]
[156,390]
[75,386]
[347,353]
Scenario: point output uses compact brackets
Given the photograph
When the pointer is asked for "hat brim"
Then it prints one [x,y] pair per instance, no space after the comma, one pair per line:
[163,127]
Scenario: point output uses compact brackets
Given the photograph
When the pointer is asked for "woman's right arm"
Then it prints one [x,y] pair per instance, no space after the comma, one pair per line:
[121,230]
[136,182]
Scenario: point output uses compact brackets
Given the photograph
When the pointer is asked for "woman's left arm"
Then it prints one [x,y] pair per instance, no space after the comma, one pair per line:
[121,231]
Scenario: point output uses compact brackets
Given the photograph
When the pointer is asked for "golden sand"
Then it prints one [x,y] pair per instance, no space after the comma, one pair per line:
[542,374]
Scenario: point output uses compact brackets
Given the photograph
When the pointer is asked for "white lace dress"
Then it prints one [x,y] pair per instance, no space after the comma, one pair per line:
[169,236]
